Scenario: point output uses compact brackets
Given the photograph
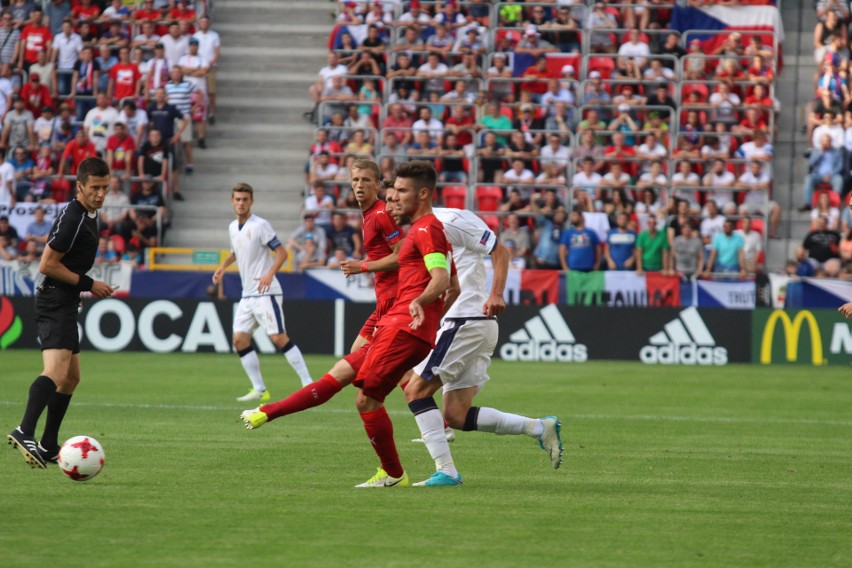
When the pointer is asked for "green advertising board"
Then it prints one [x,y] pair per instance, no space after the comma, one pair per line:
[804,337]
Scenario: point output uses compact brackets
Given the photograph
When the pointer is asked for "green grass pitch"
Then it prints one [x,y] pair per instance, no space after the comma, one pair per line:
[664,466]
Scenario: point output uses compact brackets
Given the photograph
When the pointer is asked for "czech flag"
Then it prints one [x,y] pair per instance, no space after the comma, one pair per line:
[758,17]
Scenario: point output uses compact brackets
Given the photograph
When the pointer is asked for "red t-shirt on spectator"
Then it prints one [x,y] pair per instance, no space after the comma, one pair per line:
[143,14]
[125,75]
[83,14]
[36,96]
[78,154]
[539,86]
[463,137]
[35,40]
[124,151]
[391,125]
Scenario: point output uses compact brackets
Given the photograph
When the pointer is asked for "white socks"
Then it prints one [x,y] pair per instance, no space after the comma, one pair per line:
[294,357]
[431,424]
[252,366]
[503,423]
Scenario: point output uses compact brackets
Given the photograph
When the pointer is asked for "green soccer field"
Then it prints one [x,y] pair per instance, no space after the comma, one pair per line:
[664,466]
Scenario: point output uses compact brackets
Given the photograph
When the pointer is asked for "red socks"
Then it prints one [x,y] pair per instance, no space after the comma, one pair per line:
[309,396]
[379,429]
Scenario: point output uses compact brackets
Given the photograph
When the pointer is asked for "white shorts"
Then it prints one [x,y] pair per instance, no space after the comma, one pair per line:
[462,354]
[264,311]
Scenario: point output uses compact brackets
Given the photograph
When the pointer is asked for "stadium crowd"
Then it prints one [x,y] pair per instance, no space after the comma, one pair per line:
[581,132]
[130,81]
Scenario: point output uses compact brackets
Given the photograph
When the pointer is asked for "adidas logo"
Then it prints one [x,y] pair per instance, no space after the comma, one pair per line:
[546,337]
[684,341]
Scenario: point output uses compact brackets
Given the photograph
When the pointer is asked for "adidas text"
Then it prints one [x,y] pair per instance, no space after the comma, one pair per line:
[683,355]
[544,351]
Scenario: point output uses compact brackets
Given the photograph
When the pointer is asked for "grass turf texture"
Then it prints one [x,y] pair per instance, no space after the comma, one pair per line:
[665,466]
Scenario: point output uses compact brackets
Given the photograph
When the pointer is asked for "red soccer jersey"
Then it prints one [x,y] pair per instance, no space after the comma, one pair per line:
[34,40]
[425,237]
[124,152]
[78,154]
[380,232]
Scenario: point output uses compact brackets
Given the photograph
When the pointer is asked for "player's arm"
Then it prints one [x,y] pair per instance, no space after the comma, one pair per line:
[452,294]
[217,276]
[52,267]
[436,264]
[386,264]
[265,281]
[846,310]
[495,304]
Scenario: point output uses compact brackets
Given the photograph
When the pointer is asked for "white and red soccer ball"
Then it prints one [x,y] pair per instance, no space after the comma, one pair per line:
[81,458]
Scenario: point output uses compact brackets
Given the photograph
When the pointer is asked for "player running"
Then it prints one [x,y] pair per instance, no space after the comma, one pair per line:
[460,360]
[252,238]
[382,241]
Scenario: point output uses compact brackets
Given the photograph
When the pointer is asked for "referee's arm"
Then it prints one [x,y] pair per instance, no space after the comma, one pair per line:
[52,267]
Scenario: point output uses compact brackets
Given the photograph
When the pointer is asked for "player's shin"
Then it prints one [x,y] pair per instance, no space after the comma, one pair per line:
[379,429]
[41,390]
[57,406]
[313,394]
[294,356]
[251,364]
[431,424]
[486,419]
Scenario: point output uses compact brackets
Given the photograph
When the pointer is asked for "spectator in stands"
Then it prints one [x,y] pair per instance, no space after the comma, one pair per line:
[724,102]
[149,202]
[433,73]
[635,50]
[36,95]
[23,164]
[38,230]
[470,43]
[595,122]
[528,124]
[66,49]
[651,149]
[532,44]
[515,200]
[175,45]
[579,247]
[712,223]
[824,209]
[619,251]
[75,152]
[652,249]
[549,225]
[115,213]
[336,96]
[320,205]
[615,180]
[7,250]
[588,147]
[826,166]
[586,184]
[490,154]
[719,181]
[687,253]
[452,164]
[332,68]
[756,200]
[675,223]
[100,121]
[495,121]
[105,62]
[153,157]
[42,173]
[35,38]
[8,231]
[601,24]
[398,123]
[146,39]
[343,237]
[727,254]
[136,121]
[516,233]
[758,149]
[827,30]
[427,122]
[10,37]
[562,31]
[309,242]
[753,245]
[359,145]
[830,127]
[555,152]
[18,126]
[595,93]
[124,77]
[156,72]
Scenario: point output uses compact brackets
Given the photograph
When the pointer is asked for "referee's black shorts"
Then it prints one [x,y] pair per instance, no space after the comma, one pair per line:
[56,317]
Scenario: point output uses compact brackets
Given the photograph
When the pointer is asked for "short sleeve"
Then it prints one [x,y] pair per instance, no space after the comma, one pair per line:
[430,239]
[388,228]
[65,228]
[267,235]
[472,233]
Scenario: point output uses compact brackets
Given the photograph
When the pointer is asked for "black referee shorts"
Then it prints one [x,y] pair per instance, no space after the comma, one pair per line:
[56,317]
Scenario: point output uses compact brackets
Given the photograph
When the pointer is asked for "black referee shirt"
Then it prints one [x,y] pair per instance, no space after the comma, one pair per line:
[75,233]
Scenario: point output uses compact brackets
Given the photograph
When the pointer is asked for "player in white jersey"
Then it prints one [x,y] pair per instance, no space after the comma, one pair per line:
[252,239]
[459,363]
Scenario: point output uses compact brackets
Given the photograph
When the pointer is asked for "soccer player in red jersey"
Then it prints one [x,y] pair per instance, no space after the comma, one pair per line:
[406,334]
[382,240]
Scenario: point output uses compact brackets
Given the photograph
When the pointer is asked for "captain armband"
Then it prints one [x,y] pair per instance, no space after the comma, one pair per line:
[435,260]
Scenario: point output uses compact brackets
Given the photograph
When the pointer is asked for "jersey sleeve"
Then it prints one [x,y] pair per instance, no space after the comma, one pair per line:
[267,235]
[472,233]
[388,228]
[431,239]
[65,229]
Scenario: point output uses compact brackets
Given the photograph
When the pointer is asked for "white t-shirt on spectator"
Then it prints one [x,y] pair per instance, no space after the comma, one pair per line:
[195,62]
[755,196]
[589,184]
[6,89]
[327,73]
[99,124]
[561,155]
[833,217]
[177,48]
[69,48]
[623,178]
[7,174]
[835,131]
[511,176]
[320,208]
[638,50]
[721,197]
[207,43]
[711,226]
[434,126]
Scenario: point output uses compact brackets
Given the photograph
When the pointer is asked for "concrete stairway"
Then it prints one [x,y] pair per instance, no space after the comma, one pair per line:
[795,89]
[271,52]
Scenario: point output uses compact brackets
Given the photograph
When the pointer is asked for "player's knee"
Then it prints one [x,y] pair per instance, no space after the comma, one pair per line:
[455,416]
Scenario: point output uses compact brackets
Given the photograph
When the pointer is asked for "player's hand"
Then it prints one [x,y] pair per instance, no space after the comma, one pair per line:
[494,306]
[417,314]
[350,267]
[217,276]
[264,282]
[846,310]
[102,289]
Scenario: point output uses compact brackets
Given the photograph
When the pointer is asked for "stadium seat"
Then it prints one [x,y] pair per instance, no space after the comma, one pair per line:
[488,198]
[493,222]
[833,198]
[455,196]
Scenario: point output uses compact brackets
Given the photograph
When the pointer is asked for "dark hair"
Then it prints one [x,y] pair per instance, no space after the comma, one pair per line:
[91,167]
[242,188]
[422,172]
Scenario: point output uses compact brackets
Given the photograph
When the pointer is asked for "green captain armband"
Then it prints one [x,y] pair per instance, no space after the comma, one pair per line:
[435,260]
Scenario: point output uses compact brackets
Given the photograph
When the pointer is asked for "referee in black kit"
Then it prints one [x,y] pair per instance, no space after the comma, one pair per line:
[69,254]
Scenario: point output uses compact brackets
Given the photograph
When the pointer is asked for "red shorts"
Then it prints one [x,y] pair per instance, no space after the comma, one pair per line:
[356,359]
[369,328]
[392,353]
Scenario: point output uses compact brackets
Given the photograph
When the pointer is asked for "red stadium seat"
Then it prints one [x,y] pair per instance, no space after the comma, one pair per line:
[833,198]
[488,198]
[493,222]
[455,196]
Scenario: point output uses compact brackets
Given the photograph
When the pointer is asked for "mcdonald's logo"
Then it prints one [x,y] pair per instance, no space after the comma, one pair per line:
[792,330]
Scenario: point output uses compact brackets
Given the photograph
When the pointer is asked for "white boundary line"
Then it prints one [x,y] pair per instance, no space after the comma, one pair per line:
[589,417]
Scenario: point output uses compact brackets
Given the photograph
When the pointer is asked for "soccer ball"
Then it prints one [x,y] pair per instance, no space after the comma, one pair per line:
[81,458]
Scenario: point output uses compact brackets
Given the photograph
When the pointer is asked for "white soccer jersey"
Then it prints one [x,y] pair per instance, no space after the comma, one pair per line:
[471,239]
[251,244]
